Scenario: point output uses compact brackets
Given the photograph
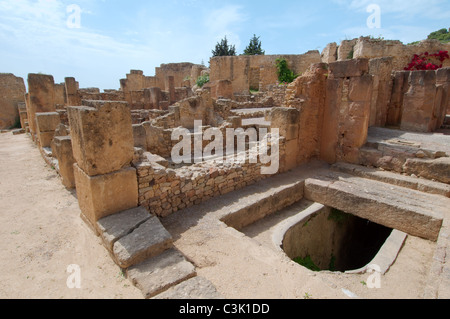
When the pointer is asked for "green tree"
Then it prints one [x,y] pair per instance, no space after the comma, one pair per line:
[442,35]
[224,49]
[254,47]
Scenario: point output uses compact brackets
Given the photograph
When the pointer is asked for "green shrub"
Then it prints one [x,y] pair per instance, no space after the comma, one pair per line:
[285,75]
[307,262]
[202,80]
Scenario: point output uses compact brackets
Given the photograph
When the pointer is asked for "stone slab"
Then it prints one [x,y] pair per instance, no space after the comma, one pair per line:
[157,274]
[47,121]
[423,185]
[116,226]
[413,212]
[194,288]
[148,240]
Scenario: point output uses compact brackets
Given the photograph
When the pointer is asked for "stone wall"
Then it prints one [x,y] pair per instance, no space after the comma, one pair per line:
[12,92]
[367,47]
[164,191]
[333,101]
[243,70]
[425,100]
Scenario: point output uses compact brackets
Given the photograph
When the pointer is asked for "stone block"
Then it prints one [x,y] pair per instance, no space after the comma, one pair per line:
[107,194]
[158,274]
[102,136]
[140,136]
[41,95]
[45,138]
[197,288]
[48,121]
[148,240]
[349,68]
[62,149]
[116,226]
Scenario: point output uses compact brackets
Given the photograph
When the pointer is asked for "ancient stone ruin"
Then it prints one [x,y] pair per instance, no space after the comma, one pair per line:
[354,137]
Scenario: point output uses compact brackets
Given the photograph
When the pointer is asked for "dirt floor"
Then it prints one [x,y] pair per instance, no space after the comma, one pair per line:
[41,234]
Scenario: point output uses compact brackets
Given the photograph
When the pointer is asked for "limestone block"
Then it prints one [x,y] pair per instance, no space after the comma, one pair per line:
[47,122]
[104,195]
[62,149]
[45,138]
[41,96]
[140,136]
[349,68]
[102,136]
[418,102]
[157,274]
[147,240]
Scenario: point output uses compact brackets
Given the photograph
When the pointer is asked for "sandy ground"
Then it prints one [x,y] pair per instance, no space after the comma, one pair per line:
[42,234]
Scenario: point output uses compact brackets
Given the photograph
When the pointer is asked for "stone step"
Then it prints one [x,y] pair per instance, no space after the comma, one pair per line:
[116,226]
[437,169]
[194,288]
[157,274]
[147,240]
[411,211]
[416,183]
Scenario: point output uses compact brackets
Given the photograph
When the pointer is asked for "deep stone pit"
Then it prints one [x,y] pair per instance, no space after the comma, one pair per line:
[332,240]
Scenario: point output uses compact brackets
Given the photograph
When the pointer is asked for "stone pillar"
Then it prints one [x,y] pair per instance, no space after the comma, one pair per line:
[46,124]
[443,99]
[171,82]
[286,119]
[399,88]
[22,107]
[62,150]
[72,96]
[155,97]
[381,69]
[41,97]
[103,149]
[347,110]
[419,102]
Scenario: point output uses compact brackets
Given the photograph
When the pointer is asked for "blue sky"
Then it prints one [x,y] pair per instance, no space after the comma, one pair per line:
[117,36]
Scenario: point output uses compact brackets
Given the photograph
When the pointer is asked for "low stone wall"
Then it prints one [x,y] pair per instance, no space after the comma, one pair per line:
[164,191]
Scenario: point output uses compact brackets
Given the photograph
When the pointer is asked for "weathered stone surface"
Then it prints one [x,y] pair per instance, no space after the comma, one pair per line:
[349,68]
[45,138]
[419,102]
[116,226]
[12,90]
[140,137]
[410,211]
[148,240]
[159,273]
[104,195]
[102,136]
[62,150]
[437,169]
[47,122]
[423,185]
[41,96]
[194,288]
